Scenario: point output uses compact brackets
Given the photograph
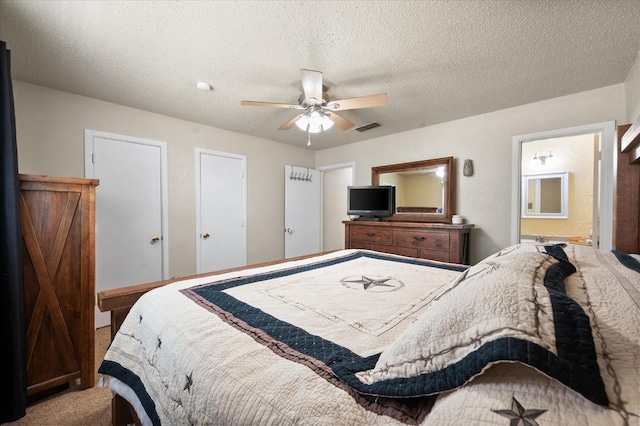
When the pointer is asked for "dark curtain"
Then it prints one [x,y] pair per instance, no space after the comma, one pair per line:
[13,374]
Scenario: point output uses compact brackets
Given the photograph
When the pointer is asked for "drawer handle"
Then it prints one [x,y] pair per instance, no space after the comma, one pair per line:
[419,238]
[371,234]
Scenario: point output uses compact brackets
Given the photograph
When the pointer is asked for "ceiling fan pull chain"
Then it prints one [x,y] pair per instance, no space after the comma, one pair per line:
[308,137]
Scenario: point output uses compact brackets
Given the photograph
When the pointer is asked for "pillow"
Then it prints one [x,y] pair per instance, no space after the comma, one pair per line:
[511,307]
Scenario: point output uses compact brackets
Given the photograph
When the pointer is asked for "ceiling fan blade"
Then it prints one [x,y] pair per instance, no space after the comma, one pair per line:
[289,124]
[312,85]
[341,122]
[269,104]
[363,102]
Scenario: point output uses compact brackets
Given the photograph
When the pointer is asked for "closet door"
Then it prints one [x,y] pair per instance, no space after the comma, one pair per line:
[58,231]
[220,211]
[131,210]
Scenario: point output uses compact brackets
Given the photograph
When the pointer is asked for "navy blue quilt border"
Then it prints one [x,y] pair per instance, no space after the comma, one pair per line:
[298,339]
[235,282]
[132,380]
[627,260]
[311,345]
[575,365]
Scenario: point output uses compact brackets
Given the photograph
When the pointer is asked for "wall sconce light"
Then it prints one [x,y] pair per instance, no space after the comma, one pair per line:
[542,158]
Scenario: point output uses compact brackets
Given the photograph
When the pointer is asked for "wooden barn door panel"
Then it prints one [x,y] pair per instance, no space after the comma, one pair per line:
[57,228]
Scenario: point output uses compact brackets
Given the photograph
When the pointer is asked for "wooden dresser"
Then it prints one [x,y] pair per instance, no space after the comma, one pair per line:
[435,241]
[58,230]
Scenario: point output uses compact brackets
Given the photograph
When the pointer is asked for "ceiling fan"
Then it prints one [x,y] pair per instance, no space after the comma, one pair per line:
[319,110]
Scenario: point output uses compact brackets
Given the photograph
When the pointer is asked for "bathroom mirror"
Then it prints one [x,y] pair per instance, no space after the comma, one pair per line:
[424,189]
[545,196]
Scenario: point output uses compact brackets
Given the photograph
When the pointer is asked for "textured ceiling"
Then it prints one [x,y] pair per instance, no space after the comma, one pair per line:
[436,60]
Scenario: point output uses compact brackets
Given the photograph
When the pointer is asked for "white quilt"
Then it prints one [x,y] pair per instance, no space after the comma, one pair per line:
[357,337]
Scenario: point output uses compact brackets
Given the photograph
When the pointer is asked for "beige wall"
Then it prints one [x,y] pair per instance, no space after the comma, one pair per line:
[632,93]
[50,141]
[50,133]
[484,199]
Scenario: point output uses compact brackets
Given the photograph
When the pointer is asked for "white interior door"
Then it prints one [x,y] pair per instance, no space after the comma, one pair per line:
[303,211]
[221,211]
[130,200]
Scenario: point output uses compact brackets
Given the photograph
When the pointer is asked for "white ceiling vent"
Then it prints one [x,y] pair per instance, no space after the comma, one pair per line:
[368,127]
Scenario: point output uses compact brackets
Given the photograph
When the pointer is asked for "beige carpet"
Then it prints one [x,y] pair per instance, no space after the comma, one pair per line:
[74,406]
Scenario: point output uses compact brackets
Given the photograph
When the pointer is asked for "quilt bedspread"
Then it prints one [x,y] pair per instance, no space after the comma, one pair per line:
[543,334]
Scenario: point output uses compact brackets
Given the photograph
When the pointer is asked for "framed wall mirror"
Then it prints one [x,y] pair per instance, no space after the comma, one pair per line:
[545,196]
[424,189]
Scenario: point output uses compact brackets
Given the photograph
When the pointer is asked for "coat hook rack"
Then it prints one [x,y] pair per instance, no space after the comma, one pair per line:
[301,176]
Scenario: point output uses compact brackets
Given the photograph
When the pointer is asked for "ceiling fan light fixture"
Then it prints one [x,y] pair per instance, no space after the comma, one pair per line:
[303,122]
[315,119]
[327,123]
[320,112]
[315,129]
[314,122]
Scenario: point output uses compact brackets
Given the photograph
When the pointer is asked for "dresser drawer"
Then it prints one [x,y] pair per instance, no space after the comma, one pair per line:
[361,245]
[434,241]
[440,255]
[372,235]
[422,239]
[402,251]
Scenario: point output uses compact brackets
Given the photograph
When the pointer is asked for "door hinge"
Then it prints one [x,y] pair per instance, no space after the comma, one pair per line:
[93,158]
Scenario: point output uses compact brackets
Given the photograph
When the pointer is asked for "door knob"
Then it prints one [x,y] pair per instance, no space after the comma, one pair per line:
[205,235]
[288,230]
[155,239]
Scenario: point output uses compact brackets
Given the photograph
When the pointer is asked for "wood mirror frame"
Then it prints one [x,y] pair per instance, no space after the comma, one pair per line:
[448,188]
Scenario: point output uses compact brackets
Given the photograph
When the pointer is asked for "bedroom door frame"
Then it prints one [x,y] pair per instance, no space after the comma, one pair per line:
[327,227]
[606,130]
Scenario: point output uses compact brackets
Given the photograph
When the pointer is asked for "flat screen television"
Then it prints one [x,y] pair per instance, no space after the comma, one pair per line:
[371,202]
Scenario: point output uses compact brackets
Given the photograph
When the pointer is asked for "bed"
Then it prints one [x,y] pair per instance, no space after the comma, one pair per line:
[533,334]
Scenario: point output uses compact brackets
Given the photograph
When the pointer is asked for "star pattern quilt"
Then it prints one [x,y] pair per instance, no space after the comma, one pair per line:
[530,335]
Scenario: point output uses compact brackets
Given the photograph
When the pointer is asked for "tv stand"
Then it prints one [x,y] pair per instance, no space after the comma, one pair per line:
[435,241]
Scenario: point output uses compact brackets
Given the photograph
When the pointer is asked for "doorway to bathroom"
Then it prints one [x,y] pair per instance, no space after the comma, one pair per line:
[564,186]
